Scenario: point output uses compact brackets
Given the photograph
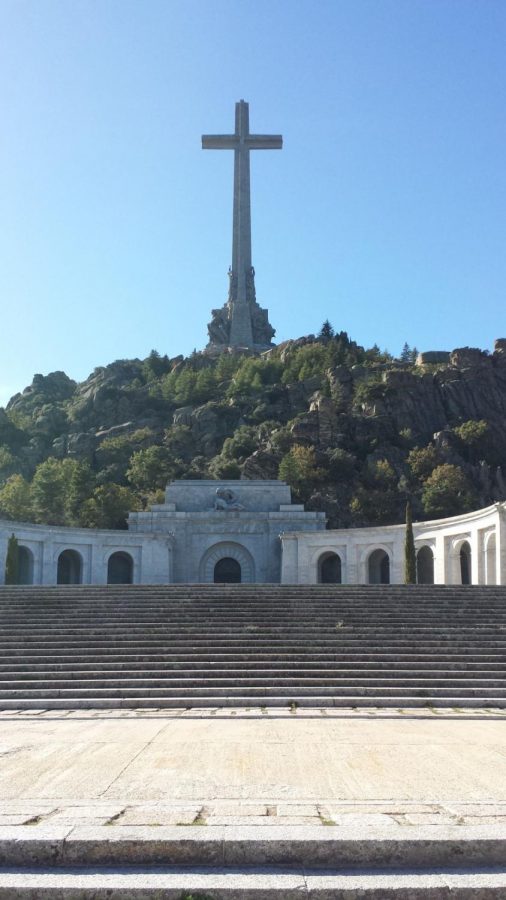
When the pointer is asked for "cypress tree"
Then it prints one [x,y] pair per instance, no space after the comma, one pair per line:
[409,549]
[12,561]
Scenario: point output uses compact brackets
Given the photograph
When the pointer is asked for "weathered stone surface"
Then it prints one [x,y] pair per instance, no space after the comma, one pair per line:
[432,357]
[260,465]
[183,415]
[210,424]
[81,445]
[468,357]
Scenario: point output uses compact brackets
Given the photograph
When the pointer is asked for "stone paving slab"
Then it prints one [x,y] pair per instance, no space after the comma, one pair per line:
[427,712]
[316,768]
[325,813]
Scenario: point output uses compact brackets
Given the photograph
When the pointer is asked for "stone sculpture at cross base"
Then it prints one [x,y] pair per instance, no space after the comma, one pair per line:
[241,323]
[220,326]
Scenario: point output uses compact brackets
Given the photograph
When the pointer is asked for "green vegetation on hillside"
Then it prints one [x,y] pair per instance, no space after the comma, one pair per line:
[355,432]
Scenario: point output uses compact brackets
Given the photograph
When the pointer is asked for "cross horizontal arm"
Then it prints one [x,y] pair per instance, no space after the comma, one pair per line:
[264,142]
[219,141]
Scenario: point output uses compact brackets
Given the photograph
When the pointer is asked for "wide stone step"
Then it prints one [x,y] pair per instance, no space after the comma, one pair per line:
[238,610]
[331,848]
[239,607]
[211,679]
[321,625]
[341,638]
[394,669]
[292,621]
[265,658]
[248,702]
[333,631]
[253,883]
[214,673]
[295,692]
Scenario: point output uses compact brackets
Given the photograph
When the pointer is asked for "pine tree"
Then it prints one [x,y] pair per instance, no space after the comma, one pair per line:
[409,549]
[12,561]
[406,354]
[326,332]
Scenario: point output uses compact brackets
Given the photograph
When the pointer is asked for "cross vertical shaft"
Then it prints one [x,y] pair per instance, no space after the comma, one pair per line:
[242,283]
[241,229]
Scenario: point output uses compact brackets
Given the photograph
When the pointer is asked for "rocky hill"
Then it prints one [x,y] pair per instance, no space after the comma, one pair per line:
[354,431]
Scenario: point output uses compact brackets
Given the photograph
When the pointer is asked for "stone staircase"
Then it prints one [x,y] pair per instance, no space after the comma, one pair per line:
[254,864]
[252,645]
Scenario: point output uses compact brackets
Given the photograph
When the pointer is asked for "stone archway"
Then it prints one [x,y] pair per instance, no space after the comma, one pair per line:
[465,563]
[69,568]
[25,574]
[120,568]
[425,565]
[329,568]
[227,550]
[378,567]
[227,571]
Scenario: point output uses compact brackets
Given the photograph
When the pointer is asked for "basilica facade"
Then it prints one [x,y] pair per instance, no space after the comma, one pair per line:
[251,532]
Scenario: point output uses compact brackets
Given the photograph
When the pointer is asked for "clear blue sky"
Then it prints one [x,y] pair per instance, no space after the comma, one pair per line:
[385,211]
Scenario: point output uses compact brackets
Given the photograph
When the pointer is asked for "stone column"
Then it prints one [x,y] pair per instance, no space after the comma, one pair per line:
[289,559]
[440,568]
[500,549]
[476,556]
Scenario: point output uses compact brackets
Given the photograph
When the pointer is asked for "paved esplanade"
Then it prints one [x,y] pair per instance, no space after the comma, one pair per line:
[314,804]
[270,766]
[242,275]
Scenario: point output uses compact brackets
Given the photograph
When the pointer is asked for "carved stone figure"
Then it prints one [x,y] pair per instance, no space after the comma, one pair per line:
[250,285]
[232,285]
[226,500]
[263,332]
[219,327]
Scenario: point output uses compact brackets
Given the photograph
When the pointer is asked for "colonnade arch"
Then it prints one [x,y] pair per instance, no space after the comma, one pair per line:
[330,568]
[25,565]
[465,558]
[425,565]
[120,568]
[378,567]
[69,569]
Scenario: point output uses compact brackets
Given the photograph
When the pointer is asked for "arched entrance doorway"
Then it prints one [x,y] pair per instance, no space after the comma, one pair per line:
[379,567]
[217,564]
[425,566]
[329,569]
[465,563]
[120,568]
[25,565]
[227,571]
[70,568]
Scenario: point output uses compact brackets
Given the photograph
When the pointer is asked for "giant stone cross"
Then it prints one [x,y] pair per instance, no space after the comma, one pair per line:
[241,322]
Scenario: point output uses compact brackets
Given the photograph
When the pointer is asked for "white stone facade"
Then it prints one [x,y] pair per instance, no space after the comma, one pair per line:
[250,531]
[179,541]
[150,555]
[470,548]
